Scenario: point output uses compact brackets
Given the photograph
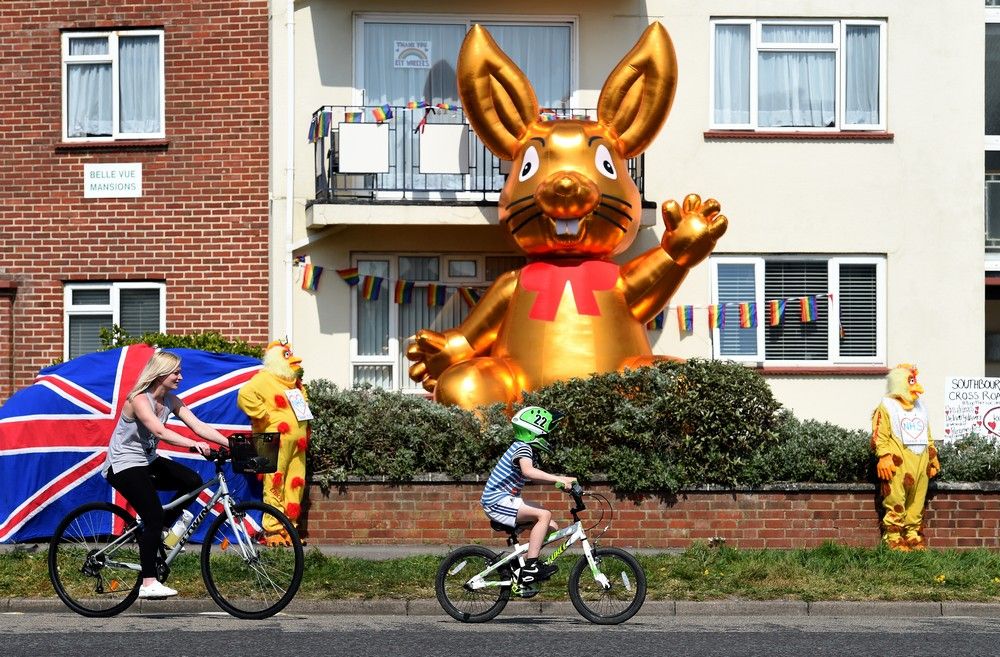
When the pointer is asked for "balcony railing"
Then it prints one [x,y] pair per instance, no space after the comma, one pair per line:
[411,155]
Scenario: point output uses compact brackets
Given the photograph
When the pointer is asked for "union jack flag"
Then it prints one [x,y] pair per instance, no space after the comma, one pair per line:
[54,434]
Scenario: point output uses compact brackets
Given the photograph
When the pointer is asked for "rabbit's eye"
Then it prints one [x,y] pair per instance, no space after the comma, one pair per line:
[529,164]
[604,162]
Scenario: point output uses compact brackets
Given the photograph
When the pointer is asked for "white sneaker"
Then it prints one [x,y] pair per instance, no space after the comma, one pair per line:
[156,591]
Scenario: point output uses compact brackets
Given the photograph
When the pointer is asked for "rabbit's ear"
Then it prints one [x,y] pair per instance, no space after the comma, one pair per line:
[636,97]
[496,96]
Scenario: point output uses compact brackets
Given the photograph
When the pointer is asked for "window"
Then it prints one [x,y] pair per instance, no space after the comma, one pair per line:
[113,85]
[798,75]
[136,307]
[381,326]
[846,296]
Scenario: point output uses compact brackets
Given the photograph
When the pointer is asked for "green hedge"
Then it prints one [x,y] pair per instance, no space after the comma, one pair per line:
[211,341]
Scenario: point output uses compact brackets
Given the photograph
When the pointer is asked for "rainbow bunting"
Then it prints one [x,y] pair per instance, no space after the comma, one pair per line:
[350,275]
[416,104]
[685,319]
[777,307]
[310,277]
[470,295]
[716,316]
[748,314]
[353,117]
[382,113]
[807,309]
[447,106]
[547,116]
[656,324]
[371,286]
[404,291]
[436,295]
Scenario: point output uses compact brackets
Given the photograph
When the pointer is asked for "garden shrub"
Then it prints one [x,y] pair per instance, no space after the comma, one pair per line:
[211,341]
[973,458]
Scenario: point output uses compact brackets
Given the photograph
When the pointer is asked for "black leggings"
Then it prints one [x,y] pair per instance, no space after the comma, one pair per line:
[139,485]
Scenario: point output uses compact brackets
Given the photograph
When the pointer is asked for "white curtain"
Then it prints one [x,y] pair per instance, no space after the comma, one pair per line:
[732,74]
[861,101]
[139,84]
[796,89]
[88,91]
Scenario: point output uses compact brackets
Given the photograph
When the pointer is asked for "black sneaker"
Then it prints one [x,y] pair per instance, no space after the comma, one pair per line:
[534,571]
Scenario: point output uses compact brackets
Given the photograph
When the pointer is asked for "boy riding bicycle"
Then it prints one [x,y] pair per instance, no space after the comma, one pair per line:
[502,500]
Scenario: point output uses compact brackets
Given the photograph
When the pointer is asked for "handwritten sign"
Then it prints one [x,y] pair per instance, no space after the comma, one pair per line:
[411,54]
[972,405]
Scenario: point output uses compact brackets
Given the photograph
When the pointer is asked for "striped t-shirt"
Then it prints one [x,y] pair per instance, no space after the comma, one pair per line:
[506,478]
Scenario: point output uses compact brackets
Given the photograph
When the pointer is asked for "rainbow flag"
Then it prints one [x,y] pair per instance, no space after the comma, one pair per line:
[547,116]
[371,286]
[354,117]
[748,314]
[382,113]
[807,309]
[436,295]
[656,324]
[470,295]
[716,316]
[447,106]
[350,275]
[320,126]
[416,104]
[777,307]
[685,319]
[404,291]
[310,277]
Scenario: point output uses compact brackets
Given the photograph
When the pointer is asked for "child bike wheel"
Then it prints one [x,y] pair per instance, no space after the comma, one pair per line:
[608,606]
[462,602]
[87,574]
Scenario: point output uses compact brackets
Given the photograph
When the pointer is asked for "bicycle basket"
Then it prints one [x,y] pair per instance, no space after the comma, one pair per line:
[255,453]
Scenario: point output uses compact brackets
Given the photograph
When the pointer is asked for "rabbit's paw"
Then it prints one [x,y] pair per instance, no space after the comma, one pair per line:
[692,229]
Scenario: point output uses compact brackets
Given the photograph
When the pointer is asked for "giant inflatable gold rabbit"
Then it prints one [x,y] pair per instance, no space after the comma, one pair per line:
[569,206]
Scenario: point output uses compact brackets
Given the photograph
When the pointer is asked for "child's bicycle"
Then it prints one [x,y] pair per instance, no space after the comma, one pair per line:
[94,553]
[607,585]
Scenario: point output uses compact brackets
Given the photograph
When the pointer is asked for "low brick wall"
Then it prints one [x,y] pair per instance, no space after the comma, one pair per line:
[442,511]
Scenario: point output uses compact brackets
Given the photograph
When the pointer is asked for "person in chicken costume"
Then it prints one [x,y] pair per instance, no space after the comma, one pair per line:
[276,401]
[907,459]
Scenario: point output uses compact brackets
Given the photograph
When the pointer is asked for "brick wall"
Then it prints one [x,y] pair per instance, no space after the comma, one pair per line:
[202,222]
[957,516]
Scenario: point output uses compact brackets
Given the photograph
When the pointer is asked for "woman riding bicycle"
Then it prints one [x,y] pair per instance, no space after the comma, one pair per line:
[137,472]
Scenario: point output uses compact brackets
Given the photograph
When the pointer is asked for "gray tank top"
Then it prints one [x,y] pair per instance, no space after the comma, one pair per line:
[132,444]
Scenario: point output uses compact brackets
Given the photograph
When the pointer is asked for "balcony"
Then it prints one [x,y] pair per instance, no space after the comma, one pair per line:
[411,156]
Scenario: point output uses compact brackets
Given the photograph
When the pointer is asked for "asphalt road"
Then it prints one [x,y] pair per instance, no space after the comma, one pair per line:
[215,633]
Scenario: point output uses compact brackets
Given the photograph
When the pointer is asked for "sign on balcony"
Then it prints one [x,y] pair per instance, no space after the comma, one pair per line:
[444,148]
[411,54]
[364,148]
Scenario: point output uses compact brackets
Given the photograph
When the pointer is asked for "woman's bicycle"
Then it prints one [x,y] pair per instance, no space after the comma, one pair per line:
[94,553]
[607,585]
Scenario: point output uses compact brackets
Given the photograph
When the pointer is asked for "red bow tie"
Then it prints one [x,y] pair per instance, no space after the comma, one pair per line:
[550,280]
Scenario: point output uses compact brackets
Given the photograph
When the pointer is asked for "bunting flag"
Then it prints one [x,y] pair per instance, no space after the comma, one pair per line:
[371,286]
[319,127]
[716,316]
[470,295]
[748,314]
[354,117]
[404,291]
[777,307]
[416,104]
[807,309]
[437,295]
[656,324]
[448,107]
[382,113]
[350,275]
[310,277]
[685,319]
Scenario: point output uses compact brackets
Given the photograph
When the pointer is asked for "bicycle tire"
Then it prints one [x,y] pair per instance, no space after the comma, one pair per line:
[257,585]
[82,577]
[608,606]
[461,603]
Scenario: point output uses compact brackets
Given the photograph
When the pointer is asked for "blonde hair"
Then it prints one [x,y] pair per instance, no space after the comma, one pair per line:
[161,364]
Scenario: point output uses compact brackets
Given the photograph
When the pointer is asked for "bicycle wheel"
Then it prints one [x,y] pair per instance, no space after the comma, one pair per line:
[463,602]
[94,560]
[244,576]
[613,605]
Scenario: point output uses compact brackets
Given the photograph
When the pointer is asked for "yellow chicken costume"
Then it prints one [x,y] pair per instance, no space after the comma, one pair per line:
[907,459]
[276,401]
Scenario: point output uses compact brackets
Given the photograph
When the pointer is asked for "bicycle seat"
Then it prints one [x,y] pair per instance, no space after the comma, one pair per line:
[511,532]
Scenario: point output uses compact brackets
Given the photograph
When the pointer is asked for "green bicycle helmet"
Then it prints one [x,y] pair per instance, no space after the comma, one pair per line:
[533,423]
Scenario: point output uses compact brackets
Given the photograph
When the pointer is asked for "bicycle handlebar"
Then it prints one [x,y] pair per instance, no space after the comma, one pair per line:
[576,492]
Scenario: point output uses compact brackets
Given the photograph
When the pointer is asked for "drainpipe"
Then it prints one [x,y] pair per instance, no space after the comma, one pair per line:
[289,164]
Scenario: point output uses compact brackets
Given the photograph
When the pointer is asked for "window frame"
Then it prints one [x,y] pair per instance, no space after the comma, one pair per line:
[834,263]
[113,307]
[838,47]
[110,58]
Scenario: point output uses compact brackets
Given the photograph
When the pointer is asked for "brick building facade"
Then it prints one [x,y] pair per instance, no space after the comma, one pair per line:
[198,232]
